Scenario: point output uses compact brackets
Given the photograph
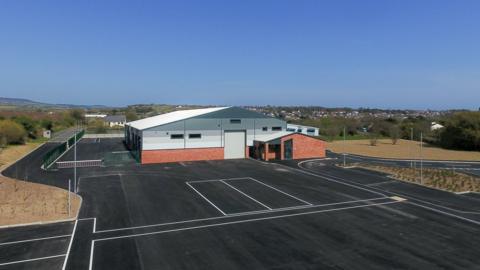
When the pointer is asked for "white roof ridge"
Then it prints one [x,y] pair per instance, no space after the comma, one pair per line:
[273,136]
[166,118]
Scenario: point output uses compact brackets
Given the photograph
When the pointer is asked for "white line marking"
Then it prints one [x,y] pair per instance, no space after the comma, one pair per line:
[216,207]
[381,183]
[92,247]
[244,194]
[306,171]
[70,245]
[94,223]
[283,192]
[244,221]
[217,180]
[445,213]
[237,215]
[32,260]
[35,239]
[410,197]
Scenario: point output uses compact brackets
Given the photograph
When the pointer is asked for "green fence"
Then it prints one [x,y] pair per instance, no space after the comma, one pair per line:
[71,141]
[59,150]
[53,154]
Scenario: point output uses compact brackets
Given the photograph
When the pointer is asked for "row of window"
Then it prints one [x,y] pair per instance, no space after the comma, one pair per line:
[199,136]
[310,130]
[190,136]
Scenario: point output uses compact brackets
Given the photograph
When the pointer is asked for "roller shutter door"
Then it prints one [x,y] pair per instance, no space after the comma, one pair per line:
[234,144]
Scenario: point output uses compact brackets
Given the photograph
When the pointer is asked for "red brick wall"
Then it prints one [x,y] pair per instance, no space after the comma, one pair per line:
[305,146]
[271,153]
[176,155]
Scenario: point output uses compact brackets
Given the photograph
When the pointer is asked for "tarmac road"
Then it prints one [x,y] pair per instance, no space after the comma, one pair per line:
[470,167]
[245,214]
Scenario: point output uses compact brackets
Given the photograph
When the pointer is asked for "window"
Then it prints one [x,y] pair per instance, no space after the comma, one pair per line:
[235,121]
[276,128]
[299,130]
[264,128]
[195,136]
[311,130]
[176,136]
[291,129]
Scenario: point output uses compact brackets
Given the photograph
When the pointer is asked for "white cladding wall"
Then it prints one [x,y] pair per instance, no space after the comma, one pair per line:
[211,130]
[307,130]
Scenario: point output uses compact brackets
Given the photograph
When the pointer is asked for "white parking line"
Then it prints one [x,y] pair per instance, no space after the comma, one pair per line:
[92,247]
[205,198]
[276,189]
[217,180]
[70,245]
[245,221]
[32,260]
[94,223]
[244,194]
[34,239]
[238,215]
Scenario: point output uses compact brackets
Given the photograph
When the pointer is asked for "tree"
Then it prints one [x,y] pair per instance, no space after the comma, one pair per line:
[332,132]
[394,133]
[77,114]
[12,132]
[28,124]
[47,124]
[461,131]
[373,138]
[131,115]
[98,126]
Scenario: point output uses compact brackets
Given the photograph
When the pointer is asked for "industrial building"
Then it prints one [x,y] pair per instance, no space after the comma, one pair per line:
[215,134]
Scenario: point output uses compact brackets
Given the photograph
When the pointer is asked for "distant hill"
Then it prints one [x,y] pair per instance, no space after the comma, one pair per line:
[21,102]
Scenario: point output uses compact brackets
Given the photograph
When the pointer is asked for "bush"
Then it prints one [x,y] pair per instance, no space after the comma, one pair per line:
[11,132]
[28,124]
[373,137]
[461,131]
[394,134]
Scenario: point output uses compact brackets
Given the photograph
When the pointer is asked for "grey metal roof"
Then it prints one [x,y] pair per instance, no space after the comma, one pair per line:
[115,118]
[208,113]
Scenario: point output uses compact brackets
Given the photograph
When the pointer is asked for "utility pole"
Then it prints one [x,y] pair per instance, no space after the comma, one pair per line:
[75,159]
[421,158]
[344,147]
[410,146]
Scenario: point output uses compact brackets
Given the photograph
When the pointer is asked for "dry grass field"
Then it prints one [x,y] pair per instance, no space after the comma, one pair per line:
[24,202]
[404,149]
[436,178]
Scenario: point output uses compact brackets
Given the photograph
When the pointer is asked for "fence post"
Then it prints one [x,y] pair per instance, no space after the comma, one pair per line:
[69,199]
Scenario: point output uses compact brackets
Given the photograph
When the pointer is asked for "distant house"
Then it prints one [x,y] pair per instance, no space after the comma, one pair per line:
[435,126]
[115,120]
[95,115]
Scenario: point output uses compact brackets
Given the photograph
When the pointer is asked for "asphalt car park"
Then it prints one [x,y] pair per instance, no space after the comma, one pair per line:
[238,214]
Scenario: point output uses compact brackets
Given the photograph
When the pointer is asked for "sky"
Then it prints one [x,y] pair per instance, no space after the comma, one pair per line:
[383,54]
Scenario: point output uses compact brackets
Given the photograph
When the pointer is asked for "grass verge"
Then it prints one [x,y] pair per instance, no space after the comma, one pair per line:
[404,149]
[25,202]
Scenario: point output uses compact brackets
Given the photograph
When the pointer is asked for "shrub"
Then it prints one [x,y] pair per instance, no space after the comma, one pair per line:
[12,132]
[461,131]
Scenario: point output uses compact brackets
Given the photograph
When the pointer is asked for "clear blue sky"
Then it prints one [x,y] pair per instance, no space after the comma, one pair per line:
[387,54]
